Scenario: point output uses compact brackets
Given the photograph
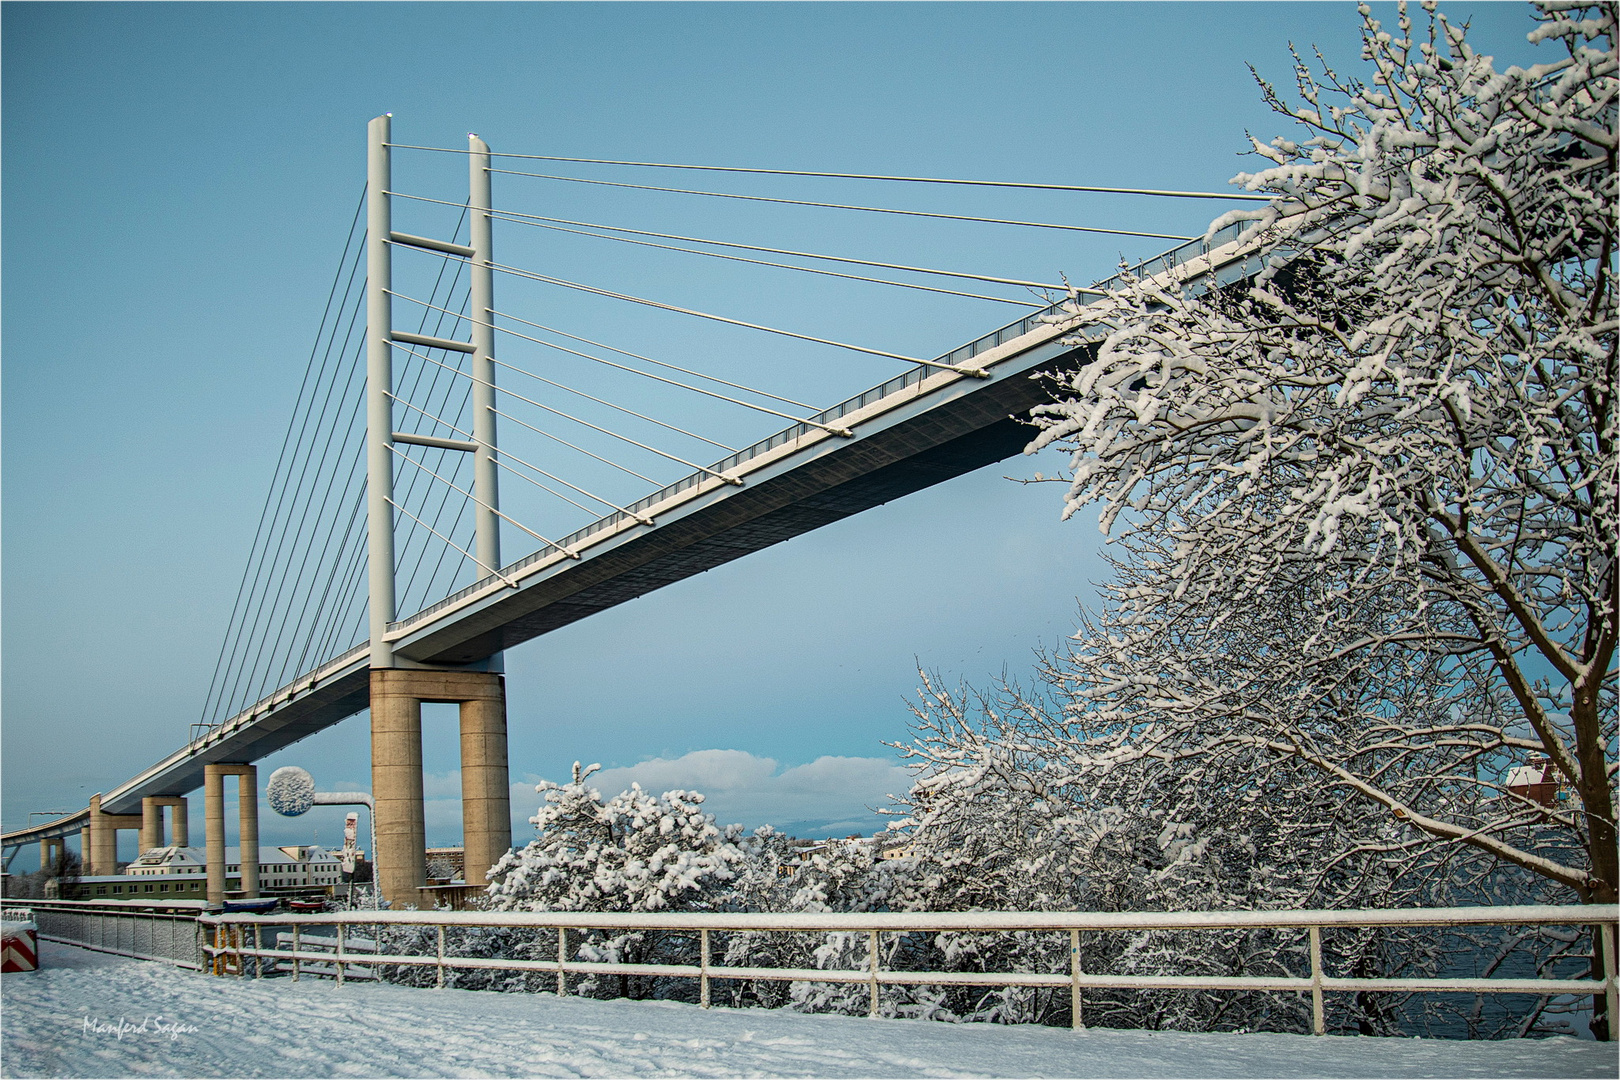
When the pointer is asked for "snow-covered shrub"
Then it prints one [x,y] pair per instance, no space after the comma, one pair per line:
[633,852]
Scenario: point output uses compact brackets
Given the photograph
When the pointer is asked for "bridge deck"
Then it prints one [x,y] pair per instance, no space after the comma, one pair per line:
[916,430]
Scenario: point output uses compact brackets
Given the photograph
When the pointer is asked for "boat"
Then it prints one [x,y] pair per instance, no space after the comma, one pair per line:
[252,907]
[306,905]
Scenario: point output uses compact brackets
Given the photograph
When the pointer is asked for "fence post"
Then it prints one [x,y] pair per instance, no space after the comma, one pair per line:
[441,957]
[562,951]
[1318,1024]
[258,952]
[341,927]
[1075,1021]
[872,1009]
[703,980]
[1611,989]
[296,929]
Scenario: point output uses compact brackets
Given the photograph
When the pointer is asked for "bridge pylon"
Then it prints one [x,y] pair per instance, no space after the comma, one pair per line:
[399,686]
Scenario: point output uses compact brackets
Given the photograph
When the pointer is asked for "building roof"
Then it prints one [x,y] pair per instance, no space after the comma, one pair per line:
[268,856]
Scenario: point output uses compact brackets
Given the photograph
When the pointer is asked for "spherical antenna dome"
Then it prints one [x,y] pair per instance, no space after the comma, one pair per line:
[291,791]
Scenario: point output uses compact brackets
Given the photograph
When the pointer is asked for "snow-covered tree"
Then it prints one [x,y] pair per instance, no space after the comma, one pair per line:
[633,852]
[1365,507]
[1369,496]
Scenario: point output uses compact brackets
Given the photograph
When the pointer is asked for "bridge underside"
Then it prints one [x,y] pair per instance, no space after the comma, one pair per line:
[977,426]
[941,444]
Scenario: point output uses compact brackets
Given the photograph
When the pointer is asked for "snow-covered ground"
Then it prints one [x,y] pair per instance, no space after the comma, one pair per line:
[87,1014]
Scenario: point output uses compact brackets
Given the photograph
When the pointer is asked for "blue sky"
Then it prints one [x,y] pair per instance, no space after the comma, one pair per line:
[178,181]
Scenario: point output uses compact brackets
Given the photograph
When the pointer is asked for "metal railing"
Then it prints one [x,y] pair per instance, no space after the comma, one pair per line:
[169,935]
[231,945]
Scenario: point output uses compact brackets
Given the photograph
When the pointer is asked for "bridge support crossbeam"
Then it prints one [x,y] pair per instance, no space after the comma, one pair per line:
[104,828]
[152,831]
[396,774]
[247,795]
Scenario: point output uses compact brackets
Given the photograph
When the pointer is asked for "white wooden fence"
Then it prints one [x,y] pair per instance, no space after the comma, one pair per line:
[237,937]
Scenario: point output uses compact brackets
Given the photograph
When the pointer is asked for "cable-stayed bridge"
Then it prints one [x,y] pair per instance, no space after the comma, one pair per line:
[377,579]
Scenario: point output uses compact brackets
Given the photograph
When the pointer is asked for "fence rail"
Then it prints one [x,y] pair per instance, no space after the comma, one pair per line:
[231,947]
[168,935]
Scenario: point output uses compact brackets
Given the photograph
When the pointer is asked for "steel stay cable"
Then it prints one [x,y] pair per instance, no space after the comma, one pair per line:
[238,671]
[492,573]
[433,387]
[575,419]
[321,619]
[337,275]
[976,372]
[638,356]
[581,393]
[320,616]
[671,382]
[580,449]
[480,502]
[352,577]
[785,266]
[306,496]
[501,454]
[546,488]
[537,220]
[504,454]
[527,219]
[538,431]
[278,572]
[848,206]
[288,669]
[451,383]
[270,679]
[858,176]
[660,363]
[318,625]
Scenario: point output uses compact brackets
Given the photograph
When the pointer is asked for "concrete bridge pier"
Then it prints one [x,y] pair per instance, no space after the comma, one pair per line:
[103,857]
[397,695]
[247,797]
[50,852]
[152,832]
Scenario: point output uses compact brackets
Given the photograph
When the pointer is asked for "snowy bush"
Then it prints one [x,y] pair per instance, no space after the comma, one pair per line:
[633,852]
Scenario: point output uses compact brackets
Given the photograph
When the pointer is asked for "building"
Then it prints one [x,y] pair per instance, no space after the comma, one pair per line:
[177,873]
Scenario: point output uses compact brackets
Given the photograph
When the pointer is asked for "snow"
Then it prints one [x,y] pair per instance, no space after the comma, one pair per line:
[88,1014]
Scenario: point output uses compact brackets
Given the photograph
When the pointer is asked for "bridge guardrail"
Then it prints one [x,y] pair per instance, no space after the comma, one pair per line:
[232,947]
[170,935]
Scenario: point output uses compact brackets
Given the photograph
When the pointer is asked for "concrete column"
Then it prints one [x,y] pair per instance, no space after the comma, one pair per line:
[102,840]
[247,829]
[181,829]
[214,830]
[396,773]
[50,852]
[247,797]
[486,814]
[104,837]
[85,849]
[400,861]
[151,823]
